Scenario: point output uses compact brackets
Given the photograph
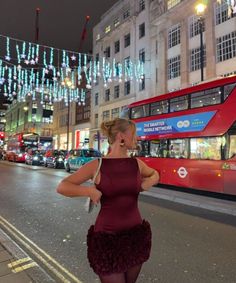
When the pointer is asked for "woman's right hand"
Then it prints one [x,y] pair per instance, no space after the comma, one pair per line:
[95,195]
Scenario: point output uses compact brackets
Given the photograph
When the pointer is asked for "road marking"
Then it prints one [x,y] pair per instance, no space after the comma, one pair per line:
[19,261]
[18,235]
[24,267]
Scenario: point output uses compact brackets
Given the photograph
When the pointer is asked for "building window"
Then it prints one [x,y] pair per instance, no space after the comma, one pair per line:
[47,120]
[115,113]
[116,91]
[116,22]
[221,12]
[98,37]
[126,14]
[117,46]
[97,57]
[107,52]
[127,88]
[107,29]
[194,26]
[142,30]
[48,106]
[195,58]
[226,47]
[96,120]
[34,105]
[34,118]
[127,40]
[172,3]
[142,55]
[106,115]
[174,36]
[118,69]
[141,5]
[142,83]
[174,67]
[96,99]
[107,95]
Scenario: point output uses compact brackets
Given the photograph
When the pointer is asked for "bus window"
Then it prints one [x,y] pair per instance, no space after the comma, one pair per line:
[206,148]
[159,107]
[178,148]
[179,103]
[232,146]
[143,148]
[159,148]
[140,111]
[206,98]
[228,89]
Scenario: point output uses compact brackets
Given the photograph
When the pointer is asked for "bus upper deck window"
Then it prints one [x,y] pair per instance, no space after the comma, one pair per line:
[205,98]
[140,111]
[179,103]
[159,107]
[228,89]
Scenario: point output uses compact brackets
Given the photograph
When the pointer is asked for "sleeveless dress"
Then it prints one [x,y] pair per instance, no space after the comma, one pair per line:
[120,238]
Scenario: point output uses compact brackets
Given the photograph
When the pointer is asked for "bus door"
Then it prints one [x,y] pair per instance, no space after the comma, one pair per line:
[229,168]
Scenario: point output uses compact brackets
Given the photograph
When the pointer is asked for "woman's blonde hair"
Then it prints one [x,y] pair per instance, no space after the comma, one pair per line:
[111,128]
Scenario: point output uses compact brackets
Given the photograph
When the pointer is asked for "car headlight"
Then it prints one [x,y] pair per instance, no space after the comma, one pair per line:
[44,159]
[35,158]
[20,155]
[60,159]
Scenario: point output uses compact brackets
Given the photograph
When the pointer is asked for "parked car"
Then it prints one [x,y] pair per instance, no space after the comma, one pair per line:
[36,158]
[78,157]
[54,158]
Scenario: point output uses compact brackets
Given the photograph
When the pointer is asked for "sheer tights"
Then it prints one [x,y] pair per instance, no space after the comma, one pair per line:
[128,277]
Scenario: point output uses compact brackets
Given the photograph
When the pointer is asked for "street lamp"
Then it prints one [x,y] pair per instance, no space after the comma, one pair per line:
[200,9]
[68,83]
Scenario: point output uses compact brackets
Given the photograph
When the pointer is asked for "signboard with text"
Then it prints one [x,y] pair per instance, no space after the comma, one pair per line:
[180,124]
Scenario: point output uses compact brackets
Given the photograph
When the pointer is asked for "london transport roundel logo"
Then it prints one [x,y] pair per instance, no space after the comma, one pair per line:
[182,172]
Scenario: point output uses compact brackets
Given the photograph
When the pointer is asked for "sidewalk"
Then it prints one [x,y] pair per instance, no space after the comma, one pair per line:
[205,202]
[16,266]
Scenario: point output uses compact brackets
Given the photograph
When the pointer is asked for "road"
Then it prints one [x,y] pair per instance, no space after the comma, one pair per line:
[189,244]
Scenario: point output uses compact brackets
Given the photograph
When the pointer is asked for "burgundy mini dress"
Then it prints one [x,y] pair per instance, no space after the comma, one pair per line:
[120,238]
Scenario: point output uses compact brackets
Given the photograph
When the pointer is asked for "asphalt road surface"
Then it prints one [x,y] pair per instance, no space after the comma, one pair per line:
[189,244]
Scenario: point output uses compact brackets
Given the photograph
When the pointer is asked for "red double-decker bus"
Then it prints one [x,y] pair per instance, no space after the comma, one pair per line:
[19,144]
[189,136]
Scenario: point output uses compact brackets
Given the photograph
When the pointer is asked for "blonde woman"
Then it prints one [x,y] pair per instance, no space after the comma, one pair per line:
[120,240]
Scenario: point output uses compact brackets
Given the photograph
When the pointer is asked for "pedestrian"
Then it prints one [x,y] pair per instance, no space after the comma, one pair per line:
[120,240]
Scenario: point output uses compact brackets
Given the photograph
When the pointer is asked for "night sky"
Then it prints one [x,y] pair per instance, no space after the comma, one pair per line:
[61,22]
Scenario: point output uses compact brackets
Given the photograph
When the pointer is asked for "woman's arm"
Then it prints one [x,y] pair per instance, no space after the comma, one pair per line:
[149,176]
[72,186]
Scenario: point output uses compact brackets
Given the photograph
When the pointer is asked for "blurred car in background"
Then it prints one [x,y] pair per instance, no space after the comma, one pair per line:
[15,156]
[36,158]
[78,157]
[54,158]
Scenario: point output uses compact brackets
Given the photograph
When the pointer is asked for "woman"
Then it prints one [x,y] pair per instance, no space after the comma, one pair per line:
[120,241]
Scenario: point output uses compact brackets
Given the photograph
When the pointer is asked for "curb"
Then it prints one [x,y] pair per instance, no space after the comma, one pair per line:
[204,202]
[35,274]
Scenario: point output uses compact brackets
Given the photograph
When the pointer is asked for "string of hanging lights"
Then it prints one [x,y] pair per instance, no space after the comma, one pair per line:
[27,69]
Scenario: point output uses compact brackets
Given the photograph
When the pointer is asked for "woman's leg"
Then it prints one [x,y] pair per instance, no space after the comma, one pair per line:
[132,274]
[113,278]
